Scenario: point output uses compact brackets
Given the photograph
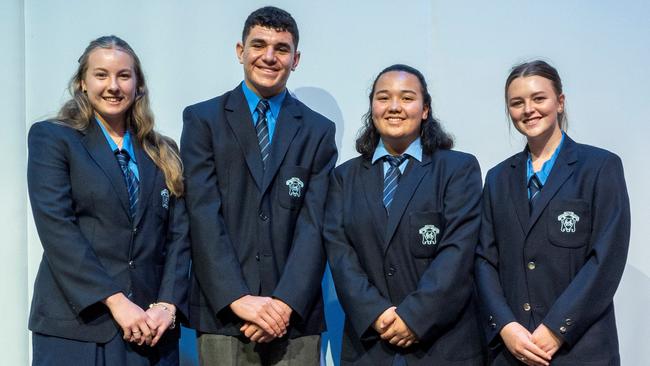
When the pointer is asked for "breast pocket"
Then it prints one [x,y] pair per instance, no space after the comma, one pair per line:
[291,186]
[569,223]
[426,230]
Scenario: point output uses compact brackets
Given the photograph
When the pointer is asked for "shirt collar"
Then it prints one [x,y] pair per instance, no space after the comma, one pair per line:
[414,150]
[547,166]
[126,142]
[275,102]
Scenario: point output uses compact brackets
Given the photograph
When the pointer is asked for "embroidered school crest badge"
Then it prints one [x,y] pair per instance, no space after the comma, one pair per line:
[568,220]
[164,194]
[429,234]
[295,186]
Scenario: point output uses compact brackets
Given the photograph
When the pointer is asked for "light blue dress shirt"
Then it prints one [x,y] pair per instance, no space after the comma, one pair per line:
[126,145]
[543,173]
[414,150]
[275,104]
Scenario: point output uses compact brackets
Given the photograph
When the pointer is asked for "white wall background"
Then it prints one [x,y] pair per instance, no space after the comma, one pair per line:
[465,48]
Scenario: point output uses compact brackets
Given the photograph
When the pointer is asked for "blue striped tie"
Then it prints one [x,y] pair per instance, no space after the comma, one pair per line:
[534,189]
[392,178]
[262,129]
[130,179]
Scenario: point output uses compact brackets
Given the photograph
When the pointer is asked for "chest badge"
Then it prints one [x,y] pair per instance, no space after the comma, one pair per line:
[429,234]
[568,220]
[164,194]
[295,186]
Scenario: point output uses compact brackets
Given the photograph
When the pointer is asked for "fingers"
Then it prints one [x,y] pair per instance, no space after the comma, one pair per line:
[262,311]
[255,337]
[256,334]
[532,359]
[282,311]
[250,329]
[269,325]
[401,341]
[385,320]
[158,333]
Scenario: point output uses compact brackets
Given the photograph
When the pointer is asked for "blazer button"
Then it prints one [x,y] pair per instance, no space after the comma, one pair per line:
[263,216]
[568,322]
[531,265]
[493,325]
[526,307]
[563,329]
[257,257]
[131,264]
[135,230]
[490,318]
[391,271]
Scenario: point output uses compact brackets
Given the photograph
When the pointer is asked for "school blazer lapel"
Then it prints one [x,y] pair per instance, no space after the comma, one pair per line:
[406,188]
[240,121]
[562,170]
[99,150]
[518,189]
[147,172]
[286,128]
[372,181]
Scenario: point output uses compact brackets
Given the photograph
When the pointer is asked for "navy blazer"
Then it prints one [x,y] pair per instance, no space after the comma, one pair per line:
[561,264]
[91,248]
[419,258]
[255,231]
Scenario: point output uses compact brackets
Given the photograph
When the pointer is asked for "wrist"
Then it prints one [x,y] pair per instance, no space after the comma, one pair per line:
[114,299]
[169,308]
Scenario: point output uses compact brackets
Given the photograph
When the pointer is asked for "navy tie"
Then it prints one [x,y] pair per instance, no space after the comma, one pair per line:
[534,189]
[130,179]
[392,178]
[262,129]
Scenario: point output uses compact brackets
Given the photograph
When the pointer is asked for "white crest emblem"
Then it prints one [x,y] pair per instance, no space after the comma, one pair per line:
[568,221]
[164,194]
[295,186]
[429,234]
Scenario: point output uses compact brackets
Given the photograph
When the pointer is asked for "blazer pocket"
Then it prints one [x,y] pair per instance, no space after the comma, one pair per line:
[426,230]
[569,223]
[291,186]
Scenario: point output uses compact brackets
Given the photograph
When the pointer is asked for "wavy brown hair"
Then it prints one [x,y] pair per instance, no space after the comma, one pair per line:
[78,114]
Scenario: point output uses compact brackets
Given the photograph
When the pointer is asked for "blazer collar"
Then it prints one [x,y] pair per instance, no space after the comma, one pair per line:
[240,121]
[561,171]
[372,179]
[406,188]
[96,145]
[148,172]
[287,126]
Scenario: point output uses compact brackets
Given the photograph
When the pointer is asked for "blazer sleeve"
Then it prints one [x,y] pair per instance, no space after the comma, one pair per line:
[306,259]
[76,269]
[362,301]
[175,279]
[214,260]
[491,296]
[592,290]
[447,282]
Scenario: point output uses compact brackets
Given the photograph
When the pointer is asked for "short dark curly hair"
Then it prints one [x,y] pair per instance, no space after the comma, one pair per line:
[274,18]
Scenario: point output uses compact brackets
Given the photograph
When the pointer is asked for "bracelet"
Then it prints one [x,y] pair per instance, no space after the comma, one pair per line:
[167,309]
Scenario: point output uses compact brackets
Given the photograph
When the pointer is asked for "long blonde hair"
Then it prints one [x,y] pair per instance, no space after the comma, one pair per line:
[78,113]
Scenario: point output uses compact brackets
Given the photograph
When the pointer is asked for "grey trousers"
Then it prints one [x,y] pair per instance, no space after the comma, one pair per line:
[218,350]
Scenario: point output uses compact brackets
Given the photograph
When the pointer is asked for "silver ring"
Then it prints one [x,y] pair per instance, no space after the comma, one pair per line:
[522,358]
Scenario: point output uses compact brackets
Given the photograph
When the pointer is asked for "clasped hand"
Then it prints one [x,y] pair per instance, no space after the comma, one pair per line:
[393,329]
[139,326]
[534,349]
[266,318]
